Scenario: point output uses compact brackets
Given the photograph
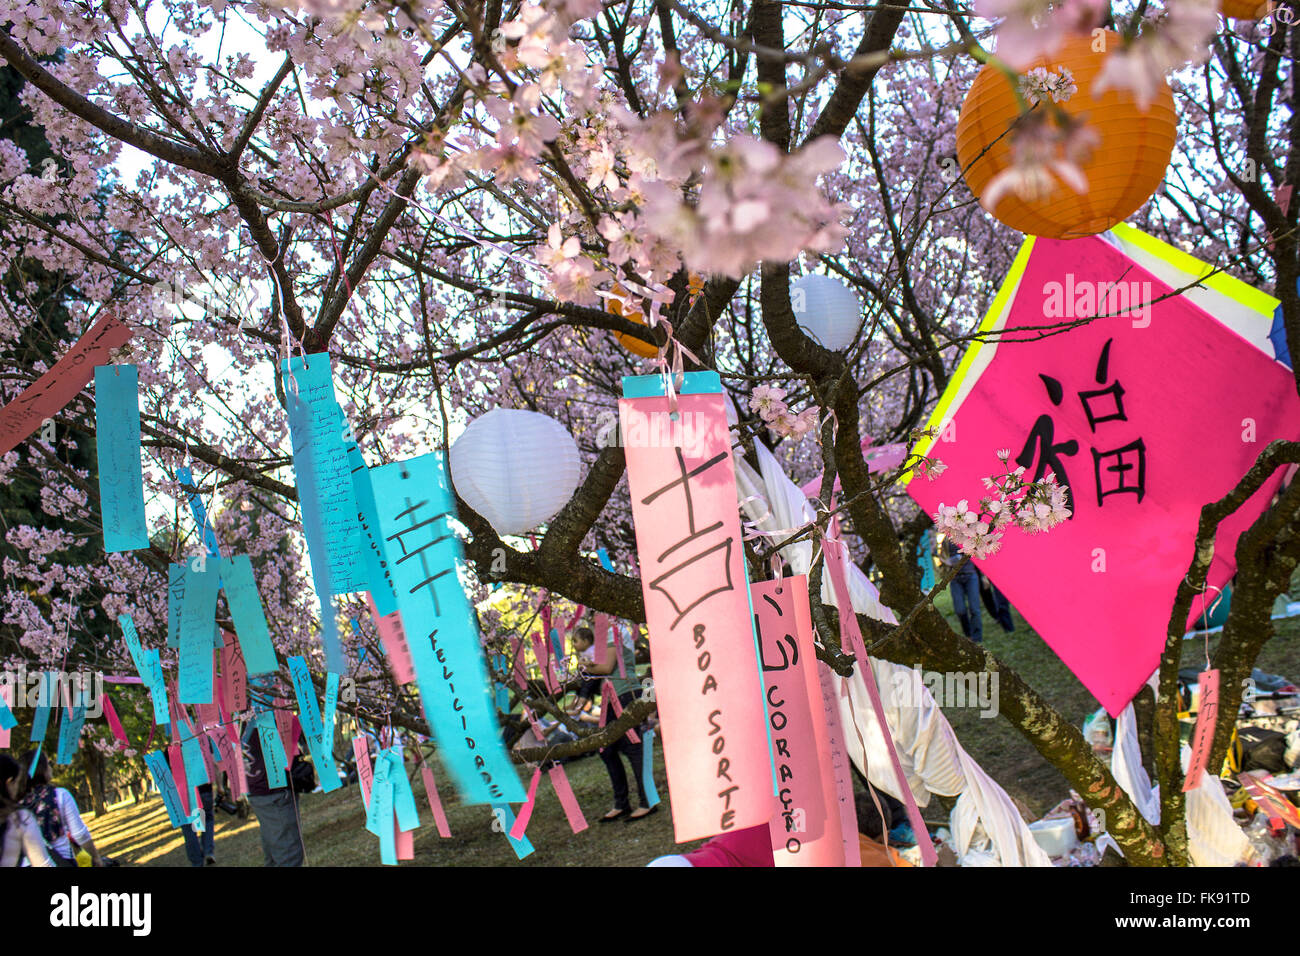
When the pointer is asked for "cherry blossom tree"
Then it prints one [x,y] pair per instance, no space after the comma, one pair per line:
[447,195]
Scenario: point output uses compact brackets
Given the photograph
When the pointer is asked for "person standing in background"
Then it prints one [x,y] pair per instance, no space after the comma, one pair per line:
[276,809]
[965,589]
[198,848]
[57,815]
[625,688]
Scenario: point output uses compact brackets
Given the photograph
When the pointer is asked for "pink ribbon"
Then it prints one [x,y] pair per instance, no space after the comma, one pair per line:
[435,802]
[564,790]
[849,625]
[114,724]
[526,811]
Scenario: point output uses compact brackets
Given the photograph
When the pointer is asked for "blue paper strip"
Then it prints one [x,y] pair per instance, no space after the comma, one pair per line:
[523,847]
[132,639]
[248,616]
[117,444]
[317,437]
[196,769]
[41,719]
[70,735]
[198,614]
[166,784]
[378,575]
[414,506]
[175,599]
[157,685]
[313,726]
[408,818]
[308,709]
[206,532]
[652,386]
[331,710]
[36,758]
[273,755]
[313,530]
[648,768]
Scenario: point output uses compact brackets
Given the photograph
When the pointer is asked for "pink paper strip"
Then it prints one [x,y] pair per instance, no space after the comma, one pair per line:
[7,692]
[393,636]
[618,651]
[600,650]
[60,385]
[840,767]
[607,694]
[564,790]
[365,771]
[541,649]
[114,724]
[693,580]
[1206,717]
[178,774]
[239,782]
[435,802]
[526,811]
[520,672]
[805,827]
[849,625]
[234,676]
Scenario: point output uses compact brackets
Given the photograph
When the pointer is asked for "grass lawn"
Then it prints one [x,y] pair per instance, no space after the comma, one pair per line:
[334,827]
[1009,758]
[334,830]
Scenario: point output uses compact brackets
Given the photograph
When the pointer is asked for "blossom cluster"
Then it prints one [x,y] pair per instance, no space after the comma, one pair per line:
[769,402]
[1032,506]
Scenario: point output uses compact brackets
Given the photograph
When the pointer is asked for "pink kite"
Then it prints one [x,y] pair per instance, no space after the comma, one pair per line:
[1147,414]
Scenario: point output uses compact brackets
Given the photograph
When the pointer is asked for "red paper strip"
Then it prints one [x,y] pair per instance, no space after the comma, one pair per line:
[60,385]
[435,802]
[526,811]
[1203,737]
[564,790]
[805,826]
[682,483]
[393,636]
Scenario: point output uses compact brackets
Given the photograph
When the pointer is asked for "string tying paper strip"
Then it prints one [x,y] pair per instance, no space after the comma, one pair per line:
[415,505]
[806,825]
[693,579]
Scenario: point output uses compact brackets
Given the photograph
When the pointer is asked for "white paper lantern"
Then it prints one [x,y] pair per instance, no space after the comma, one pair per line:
[827,310]
[515,468]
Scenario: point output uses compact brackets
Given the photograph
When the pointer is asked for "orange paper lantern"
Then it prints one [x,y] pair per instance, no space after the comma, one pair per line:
[633,345]
[1246,9]
[1127,164]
